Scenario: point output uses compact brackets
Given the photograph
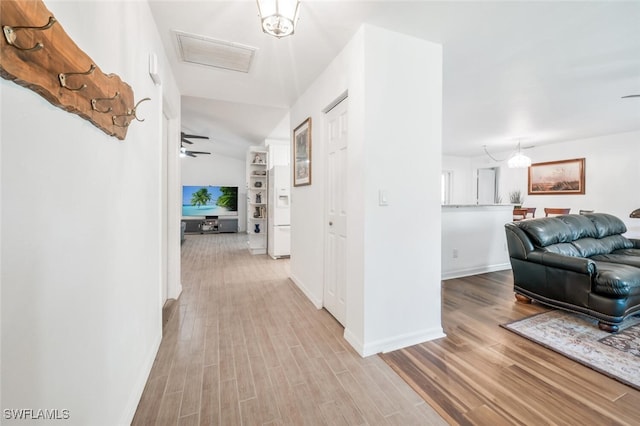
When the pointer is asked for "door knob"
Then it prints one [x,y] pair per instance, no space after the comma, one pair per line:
[330,223]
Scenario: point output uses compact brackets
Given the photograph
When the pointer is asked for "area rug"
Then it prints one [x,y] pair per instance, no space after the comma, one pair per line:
[578,337]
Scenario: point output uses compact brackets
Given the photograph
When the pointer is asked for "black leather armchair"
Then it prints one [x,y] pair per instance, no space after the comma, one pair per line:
[579,263]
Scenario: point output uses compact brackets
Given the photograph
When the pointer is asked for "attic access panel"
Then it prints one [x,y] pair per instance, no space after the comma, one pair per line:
[215,53]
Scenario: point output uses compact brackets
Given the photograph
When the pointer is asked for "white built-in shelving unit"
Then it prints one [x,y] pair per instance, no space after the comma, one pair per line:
[257,198]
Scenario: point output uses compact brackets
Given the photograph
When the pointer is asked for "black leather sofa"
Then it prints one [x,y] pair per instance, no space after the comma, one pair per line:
[579,263]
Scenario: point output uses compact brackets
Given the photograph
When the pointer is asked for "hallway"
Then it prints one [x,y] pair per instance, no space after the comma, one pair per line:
[246,347]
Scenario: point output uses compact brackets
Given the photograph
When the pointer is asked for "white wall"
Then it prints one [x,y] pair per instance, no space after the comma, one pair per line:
[307,213]
[279,152]
[218,170]
[393,270]
[462,179]
[403,149]
[81,232]
[282,129]
[473,240]
[611,171]
[173,202]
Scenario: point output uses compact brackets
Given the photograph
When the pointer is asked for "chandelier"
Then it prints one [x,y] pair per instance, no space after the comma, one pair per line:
[278,17]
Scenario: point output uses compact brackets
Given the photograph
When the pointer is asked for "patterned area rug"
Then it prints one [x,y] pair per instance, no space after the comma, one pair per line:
[578,337]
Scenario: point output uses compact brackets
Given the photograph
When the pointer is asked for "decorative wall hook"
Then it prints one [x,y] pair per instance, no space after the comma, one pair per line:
[121,120]
[51,71]
[63,78]
[135,108]
[115,119]
[10,34]
[95,101]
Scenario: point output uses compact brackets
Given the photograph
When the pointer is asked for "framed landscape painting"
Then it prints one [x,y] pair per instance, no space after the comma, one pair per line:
[557,177]
[302,154]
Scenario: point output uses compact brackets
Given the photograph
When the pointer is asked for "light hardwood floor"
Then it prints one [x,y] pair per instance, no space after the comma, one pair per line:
[245,347]
[482,374]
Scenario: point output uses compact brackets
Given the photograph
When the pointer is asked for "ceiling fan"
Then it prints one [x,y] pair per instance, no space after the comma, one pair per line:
[631,96]
[184,138]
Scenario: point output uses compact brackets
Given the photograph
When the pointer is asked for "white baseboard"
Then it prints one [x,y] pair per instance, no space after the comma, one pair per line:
[354,342]
[316,302]
[392,343]
[138,388]
[175,291]
[458,273]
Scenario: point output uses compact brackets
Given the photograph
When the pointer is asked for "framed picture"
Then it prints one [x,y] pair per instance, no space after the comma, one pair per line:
[302,154]
[557,177]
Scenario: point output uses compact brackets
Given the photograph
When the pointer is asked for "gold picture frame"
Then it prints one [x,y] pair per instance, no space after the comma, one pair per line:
[564,177]
[302,154]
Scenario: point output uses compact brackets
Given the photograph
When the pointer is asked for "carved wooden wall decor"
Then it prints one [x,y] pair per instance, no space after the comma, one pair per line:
[36,52]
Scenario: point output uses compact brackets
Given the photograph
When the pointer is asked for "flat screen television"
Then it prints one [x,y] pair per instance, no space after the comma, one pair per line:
[209,200]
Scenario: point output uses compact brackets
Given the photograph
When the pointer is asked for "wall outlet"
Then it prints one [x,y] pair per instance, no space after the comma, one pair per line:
[455,253]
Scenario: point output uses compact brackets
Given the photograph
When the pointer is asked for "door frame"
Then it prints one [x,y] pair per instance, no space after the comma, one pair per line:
[340,100]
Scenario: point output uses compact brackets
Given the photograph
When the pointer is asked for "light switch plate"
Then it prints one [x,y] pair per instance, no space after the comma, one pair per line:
[383,197]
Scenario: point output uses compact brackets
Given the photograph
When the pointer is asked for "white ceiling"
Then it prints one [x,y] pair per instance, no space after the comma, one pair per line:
[541,72]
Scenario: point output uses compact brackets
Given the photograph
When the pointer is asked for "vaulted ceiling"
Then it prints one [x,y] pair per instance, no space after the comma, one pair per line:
[541,72]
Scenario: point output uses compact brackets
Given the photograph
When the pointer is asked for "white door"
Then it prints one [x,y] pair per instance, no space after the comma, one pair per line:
[486,186]
[335,283]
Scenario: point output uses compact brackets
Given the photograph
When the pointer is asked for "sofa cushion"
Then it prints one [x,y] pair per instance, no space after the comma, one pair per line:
[567,249]
[591,228]
[606,224]
[628,251]
[581,226]
[613,279]
[547,230]
[588,247]
[619,258]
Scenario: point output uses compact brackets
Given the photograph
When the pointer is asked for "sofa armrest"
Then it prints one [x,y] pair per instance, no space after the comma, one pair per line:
[571,263]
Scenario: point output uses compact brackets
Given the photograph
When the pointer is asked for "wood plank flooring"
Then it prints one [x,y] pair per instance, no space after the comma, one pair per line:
[245,347]
[482,374]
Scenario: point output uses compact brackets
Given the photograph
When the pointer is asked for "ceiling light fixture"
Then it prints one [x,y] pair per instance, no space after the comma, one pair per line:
[519,160]
[278,17]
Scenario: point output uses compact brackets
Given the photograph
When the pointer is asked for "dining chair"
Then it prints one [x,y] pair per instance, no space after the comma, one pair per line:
[554,211]
[531,210]
[519,214]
